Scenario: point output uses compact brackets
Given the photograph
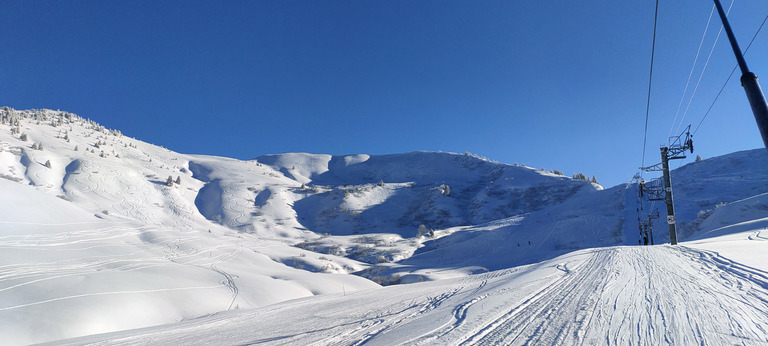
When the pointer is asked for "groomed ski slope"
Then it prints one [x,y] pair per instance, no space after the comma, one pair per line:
[616,295]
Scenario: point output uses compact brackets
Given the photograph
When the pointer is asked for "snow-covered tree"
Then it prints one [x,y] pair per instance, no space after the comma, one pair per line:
[178,180]
[48,163]
[169,181]
[422,230]
[580,176]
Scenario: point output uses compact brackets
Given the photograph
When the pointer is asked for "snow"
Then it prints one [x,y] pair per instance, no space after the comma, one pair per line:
[615,295]
[294,248]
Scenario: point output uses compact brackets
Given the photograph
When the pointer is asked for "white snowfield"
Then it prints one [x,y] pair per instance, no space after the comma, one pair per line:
[616,295]
[100,233]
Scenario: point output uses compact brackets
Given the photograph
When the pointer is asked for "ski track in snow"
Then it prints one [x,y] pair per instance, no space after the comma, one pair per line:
[759,235]
[17,276]
[628,296]
[108,293]
[620,295]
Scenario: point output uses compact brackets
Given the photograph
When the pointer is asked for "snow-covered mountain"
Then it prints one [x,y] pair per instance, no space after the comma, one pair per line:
[104,233]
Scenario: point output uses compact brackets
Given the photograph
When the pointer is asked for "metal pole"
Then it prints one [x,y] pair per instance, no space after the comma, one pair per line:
[668,196]
[650,227]
[748,81]
[732,38]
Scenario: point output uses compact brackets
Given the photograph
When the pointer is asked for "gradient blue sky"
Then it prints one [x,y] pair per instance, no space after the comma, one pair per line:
[552,84]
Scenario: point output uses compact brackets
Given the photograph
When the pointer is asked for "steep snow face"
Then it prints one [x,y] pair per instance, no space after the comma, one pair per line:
[298,166]
[397,193]
[248,196]
[591,217]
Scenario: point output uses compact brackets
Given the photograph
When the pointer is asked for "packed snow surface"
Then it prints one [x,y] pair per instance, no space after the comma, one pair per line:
[101,233]
[613,295]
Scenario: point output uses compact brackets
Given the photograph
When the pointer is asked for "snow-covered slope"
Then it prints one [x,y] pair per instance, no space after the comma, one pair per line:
[101,232]
[97,243]
[617,295]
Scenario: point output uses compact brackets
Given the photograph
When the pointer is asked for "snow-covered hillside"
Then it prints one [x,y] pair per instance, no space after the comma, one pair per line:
[103,233]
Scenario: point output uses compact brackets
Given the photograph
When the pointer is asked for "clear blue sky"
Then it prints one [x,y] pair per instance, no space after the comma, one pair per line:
[552,84]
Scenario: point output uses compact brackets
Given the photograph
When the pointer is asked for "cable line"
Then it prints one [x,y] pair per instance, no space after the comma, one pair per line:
[698,82]
[701,75]
[730,75]
[650,79]
[693,67]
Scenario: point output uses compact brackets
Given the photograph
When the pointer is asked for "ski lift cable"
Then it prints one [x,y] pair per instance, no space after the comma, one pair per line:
[650,80]
[729,76]
[700,76]
[693,67]
[698,82]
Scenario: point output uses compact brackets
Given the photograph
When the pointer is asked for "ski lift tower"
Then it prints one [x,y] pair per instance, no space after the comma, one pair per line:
[654,190]
[674,151]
